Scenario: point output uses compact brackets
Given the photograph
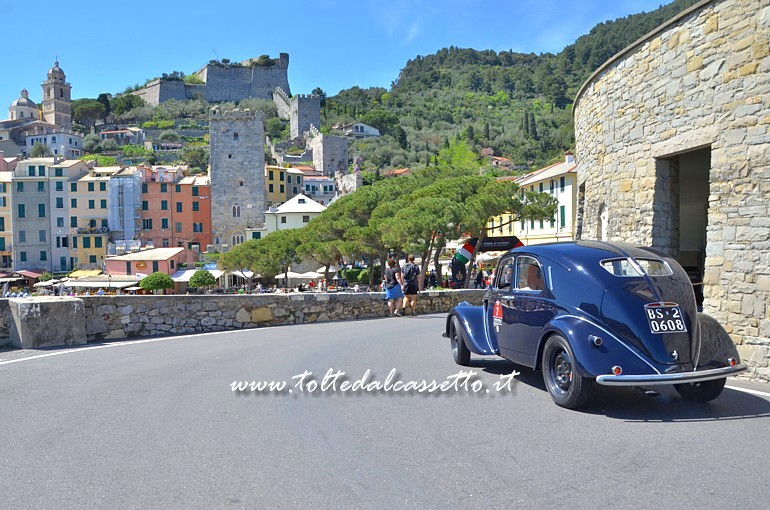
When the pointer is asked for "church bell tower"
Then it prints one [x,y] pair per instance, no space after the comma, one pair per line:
[57,101]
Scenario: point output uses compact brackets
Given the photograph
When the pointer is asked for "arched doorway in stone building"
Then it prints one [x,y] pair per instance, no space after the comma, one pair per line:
[680,224]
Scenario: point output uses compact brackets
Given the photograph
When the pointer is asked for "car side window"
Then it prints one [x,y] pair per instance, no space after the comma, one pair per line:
[529,276]
[505,273]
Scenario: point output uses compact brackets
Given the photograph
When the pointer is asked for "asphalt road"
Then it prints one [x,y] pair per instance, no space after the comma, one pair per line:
[156,424]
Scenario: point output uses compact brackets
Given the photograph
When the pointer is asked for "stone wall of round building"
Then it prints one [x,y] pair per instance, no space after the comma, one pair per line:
[699,84]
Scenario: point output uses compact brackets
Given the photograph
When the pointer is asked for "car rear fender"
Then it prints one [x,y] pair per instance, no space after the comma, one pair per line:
[716,346]
[591,360]
[473,321]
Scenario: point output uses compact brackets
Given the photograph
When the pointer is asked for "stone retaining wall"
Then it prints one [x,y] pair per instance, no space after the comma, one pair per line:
[6,319]
[115,317]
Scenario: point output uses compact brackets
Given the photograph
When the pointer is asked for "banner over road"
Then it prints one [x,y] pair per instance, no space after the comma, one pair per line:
[504,243]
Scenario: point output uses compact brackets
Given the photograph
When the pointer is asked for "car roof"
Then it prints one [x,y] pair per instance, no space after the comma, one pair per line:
[587,252]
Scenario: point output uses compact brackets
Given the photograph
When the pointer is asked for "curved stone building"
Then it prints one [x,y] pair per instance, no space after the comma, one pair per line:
[673,151]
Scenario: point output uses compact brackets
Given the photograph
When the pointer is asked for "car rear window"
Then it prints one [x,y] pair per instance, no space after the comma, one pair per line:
[627,267]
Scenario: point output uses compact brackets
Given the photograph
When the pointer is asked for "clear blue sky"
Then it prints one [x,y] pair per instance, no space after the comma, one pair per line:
[104,46]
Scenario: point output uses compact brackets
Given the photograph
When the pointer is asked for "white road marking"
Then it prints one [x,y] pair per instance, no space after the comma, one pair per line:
[165,338]
[746,390]
[120,344]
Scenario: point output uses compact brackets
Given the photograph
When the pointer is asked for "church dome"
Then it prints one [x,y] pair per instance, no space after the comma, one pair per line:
[55,73]
[24,101]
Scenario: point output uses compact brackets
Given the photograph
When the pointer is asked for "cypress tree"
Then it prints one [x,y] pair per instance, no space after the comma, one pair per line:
[532,126]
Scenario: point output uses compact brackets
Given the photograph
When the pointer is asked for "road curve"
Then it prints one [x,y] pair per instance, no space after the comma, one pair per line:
[156,424]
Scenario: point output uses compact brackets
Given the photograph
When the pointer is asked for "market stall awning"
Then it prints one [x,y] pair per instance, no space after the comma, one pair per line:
[48,283]
[184,275]
[291,275]
[97,284]
[83,273]
[243,274]
[31,273]
[488,256]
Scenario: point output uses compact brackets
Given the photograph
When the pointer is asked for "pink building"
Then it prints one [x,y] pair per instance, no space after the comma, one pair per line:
[7,164]
[146,262]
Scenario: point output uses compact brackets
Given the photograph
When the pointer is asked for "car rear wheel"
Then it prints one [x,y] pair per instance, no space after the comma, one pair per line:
[705,391]
[460,352]
[566,387]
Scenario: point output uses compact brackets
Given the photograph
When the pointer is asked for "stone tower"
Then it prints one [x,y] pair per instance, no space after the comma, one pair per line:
[57,100]
[237,141]
[305,112]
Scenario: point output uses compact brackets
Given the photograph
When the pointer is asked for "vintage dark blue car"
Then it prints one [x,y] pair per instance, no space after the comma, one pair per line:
[589,311]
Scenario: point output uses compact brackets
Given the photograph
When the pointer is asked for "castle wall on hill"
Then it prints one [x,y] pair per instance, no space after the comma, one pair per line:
[223,83]
[282,103]
[330,153]
[236,83]
[158,91]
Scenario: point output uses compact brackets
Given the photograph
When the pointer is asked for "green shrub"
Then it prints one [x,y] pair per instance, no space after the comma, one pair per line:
[101,160]
[157,281]
[165,124]
[352,275]
[363,276]
[158,124]
[192,79]
[202,278]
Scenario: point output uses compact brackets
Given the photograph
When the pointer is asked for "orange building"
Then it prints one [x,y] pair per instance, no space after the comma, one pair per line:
[175,210]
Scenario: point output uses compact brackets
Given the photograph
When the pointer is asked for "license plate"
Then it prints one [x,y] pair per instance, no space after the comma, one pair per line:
[665,318]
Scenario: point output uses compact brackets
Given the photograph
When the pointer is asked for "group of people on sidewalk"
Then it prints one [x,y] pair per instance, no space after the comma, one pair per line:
[401,288]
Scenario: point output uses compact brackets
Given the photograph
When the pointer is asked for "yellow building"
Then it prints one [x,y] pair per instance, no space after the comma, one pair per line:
[275,185]
[559,180]
[282,184]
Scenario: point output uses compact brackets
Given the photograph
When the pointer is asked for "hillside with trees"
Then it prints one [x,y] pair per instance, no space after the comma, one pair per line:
[519,105]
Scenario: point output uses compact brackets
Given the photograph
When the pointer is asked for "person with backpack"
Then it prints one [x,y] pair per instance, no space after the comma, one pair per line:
[411,275]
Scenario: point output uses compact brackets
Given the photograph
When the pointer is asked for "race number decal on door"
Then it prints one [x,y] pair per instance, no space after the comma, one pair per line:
[497,312]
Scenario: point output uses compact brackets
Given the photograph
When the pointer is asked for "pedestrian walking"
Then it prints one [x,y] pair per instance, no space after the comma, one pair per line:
[393,284]
[411,284]
[480,281]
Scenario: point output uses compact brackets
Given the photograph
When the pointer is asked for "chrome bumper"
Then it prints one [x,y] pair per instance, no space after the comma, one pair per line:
[677,378]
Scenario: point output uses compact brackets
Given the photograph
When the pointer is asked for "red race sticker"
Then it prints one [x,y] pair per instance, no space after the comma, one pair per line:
[497,311]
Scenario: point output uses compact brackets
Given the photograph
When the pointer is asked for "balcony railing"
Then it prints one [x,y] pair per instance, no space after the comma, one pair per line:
[91,230]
